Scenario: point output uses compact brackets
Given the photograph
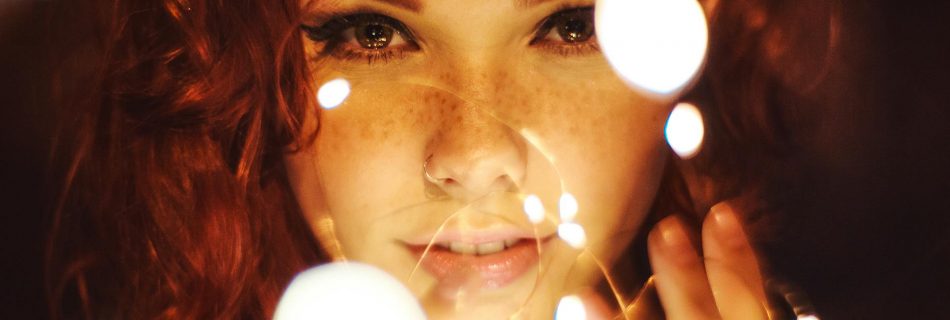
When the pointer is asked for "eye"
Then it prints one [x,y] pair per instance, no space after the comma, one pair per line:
[373,36]
[368,36]
[568,29]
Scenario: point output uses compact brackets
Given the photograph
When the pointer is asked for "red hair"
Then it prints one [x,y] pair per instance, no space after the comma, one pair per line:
[174,200]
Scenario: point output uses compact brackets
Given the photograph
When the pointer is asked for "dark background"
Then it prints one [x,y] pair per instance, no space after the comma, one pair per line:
[872,235]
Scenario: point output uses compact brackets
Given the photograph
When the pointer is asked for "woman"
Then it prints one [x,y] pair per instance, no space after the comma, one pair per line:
[200,175]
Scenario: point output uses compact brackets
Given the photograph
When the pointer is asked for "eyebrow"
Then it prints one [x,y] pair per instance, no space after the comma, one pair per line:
[529,3]
[416,5]
[411,5]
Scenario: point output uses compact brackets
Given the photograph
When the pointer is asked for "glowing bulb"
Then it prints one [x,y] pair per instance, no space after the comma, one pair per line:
[343,291]
[573,234]
[333,93]
[808,317]
[567,207]
[654,45]
[570,308]
[534,209]
[685,130]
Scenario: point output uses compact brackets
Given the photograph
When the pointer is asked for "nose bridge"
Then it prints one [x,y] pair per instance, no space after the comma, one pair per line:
[475,77]
[473,154]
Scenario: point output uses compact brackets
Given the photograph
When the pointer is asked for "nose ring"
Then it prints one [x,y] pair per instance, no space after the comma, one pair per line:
[425,171]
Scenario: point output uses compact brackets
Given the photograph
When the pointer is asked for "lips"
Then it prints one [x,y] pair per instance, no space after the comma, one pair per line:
[488,264]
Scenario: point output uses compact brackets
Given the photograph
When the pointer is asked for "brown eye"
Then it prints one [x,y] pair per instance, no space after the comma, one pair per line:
[363,36]
[373,35]
[574,28]
[569,28]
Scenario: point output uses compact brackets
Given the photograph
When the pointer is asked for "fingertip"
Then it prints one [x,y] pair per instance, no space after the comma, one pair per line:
[669,233]
[670,239]
[723,223]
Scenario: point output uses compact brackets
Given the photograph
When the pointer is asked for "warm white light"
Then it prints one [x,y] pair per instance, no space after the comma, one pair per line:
[685,130]
[567,207]
[333,93]
[573,234]
[570,308]
[347,290]
[808,317]
[655,45]
[534,209]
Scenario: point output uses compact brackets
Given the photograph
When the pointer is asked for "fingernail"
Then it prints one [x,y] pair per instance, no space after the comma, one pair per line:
[673,242]
[724,217]
[727,224]
[672,233]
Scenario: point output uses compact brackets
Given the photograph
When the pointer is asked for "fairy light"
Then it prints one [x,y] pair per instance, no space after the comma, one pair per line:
[333,93]
[534,209]
[570,308]
[572,234]
[655,45]
[567,207]
[342,291]
[685,130]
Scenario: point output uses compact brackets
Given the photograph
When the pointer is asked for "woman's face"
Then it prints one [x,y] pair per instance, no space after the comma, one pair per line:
[458,111]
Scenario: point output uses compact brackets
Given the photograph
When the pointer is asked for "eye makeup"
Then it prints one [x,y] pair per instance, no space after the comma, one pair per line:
[568,32]
[368,36]
[364,35]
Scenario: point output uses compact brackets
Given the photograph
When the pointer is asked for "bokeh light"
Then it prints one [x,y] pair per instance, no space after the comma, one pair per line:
[567,207]
[655,45]
[333,93]
[343,291]
[534,209]
[572,234]
[570,308]
[685,130]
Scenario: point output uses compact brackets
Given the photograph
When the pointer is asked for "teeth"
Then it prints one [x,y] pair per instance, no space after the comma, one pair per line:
[491,247]
[463,248]
[479,249]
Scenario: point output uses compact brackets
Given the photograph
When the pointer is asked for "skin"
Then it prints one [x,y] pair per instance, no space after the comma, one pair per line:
[491,118]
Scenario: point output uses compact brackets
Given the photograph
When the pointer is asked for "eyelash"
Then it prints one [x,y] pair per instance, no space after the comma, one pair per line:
[560,47]
[330,34]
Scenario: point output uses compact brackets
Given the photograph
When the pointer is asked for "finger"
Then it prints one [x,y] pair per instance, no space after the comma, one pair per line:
[731,266]
[679,273]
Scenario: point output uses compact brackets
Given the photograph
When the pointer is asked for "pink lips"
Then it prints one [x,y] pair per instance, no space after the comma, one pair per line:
[488,271]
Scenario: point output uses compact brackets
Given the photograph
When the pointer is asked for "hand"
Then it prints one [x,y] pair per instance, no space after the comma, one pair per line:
[724,283]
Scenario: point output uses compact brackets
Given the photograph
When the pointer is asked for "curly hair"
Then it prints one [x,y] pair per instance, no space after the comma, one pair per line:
[174,201]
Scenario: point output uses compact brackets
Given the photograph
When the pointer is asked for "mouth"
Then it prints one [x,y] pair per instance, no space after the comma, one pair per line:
[489,263]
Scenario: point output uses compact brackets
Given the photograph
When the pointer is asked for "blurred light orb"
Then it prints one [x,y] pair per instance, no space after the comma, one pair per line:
[567,207]
[347,290]
[534,209]
[572,234]
[333,93]
[654,45]
[570,308]
[685,130]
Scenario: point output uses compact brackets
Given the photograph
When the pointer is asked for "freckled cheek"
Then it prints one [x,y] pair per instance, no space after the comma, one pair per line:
[606,143]
[368,121]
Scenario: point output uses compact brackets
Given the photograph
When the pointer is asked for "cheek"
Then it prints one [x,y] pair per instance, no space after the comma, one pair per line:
[370,152]
[606,143]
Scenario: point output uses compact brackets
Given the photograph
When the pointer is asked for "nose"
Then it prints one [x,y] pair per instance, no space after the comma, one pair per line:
[474,155]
